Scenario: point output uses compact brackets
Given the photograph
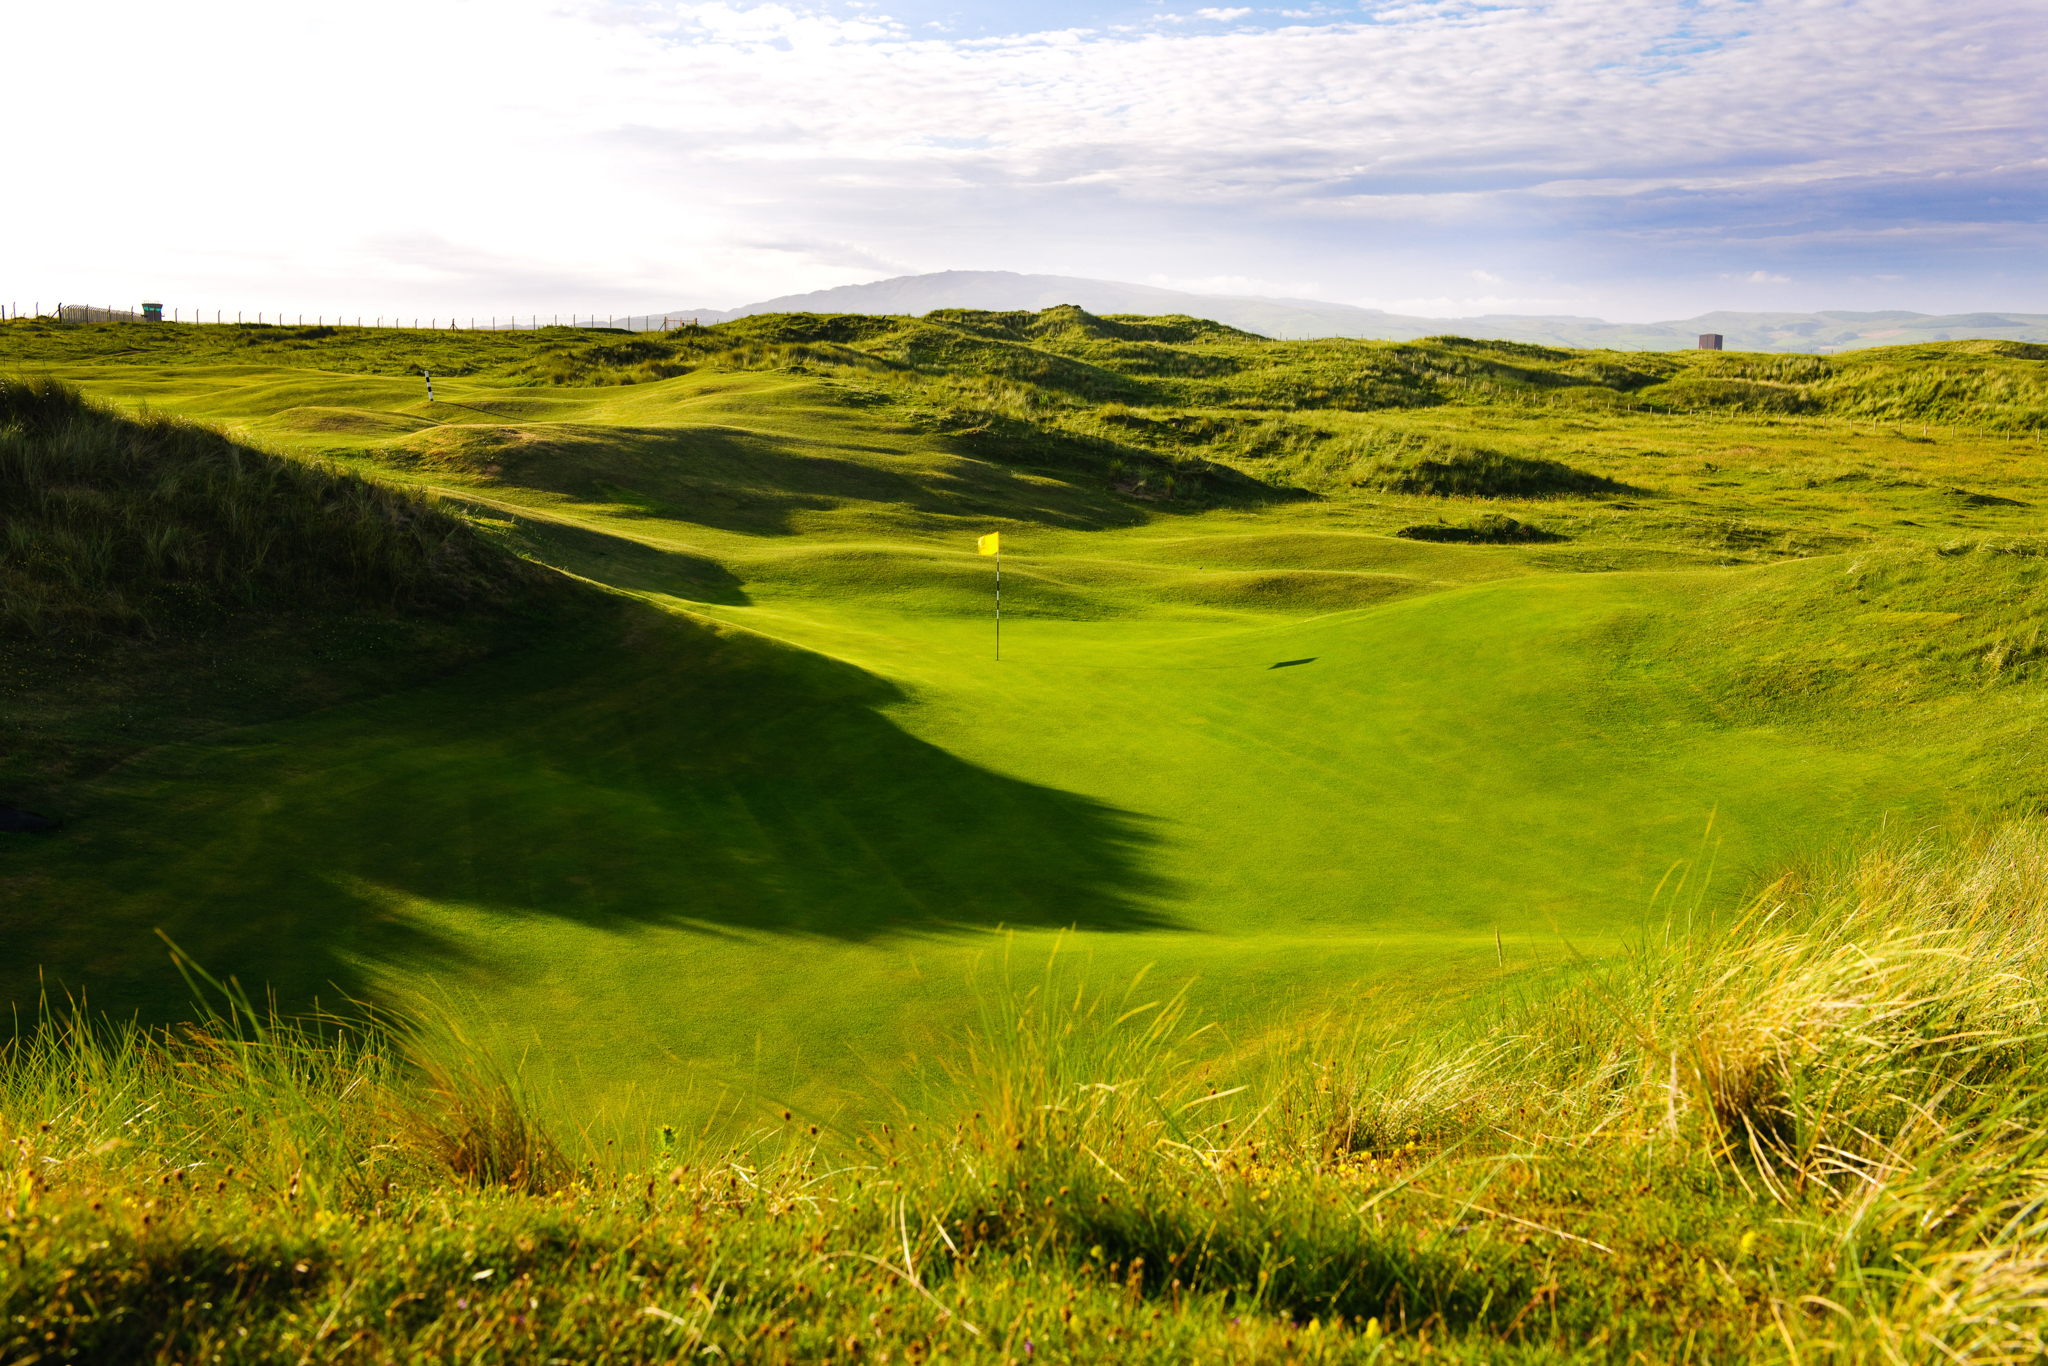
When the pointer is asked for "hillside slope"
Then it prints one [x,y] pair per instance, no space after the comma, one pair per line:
[1007,291]
[160,580]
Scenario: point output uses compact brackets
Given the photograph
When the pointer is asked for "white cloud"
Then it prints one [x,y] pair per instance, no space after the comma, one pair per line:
[456,153]
[1237,284]
[1448,306]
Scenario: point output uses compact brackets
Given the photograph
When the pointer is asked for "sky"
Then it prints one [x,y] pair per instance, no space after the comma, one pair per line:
[1626,159]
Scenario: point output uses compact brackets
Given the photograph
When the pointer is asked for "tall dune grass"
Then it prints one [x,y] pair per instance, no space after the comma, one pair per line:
[103,515]
[1812,1133]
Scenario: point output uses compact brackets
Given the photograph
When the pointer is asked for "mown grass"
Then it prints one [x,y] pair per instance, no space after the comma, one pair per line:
[1813,1131]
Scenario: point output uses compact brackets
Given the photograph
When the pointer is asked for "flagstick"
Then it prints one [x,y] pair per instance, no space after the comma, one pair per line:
[999,606]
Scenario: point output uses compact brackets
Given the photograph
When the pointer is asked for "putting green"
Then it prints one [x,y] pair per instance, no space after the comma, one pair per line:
[753,835]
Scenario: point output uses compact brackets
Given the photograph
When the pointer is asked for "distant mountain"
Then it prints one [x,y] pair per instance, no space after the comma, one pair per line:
[1297,318]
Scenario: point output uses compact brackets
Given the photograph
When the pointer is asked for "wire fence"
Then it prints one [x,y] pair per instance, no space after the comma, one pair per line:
[523,322]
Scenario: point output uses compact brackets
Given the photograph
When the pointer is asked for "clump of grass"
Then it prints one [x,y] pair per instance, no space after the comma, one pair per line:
[1862,1049]
[1474,473]
[1521,351]
[635,360]
[1690,391]
[103,516]
[467,1113]
[1491,529]
[324,1112]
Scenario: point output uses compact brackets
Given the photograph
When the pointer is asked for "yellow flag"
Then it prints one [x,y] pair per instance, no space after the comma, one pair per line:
[991,544]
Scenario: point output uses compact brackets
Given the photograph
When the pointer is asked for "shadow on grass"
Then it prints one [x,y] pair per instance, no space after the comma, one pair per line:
[750,482]
[625,563]
[645,772]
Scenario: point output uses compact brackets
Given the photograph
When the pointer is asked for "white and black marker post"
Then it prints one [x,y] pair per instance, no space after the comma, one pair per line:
[430,383]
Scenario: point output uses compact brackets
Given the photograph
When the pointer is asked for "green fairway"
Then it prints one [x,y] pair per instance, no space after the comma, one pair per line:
[693,849]
[750,830]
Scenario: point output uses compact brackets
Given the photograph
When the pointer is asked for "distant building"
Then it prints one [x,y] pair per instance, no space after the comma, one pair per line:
[1710,341]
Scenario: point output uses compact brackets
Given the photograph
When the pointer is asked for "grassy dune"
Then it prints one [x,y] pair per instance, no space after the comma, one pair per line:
[737,812]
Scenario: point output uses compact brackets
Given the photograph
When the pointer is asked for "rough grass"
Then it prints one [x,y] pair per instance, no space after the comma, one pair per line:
[1815,1132]
[1493,474]
[103,513]
[1956,629]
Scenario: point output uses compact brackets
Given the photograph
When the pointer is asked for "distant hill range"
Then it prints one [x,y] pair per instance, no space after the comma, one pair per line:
[1296,318]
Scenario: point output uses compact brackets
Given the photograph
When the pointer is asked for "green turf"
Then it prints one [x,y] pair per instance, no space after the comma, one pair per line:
[753,830]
